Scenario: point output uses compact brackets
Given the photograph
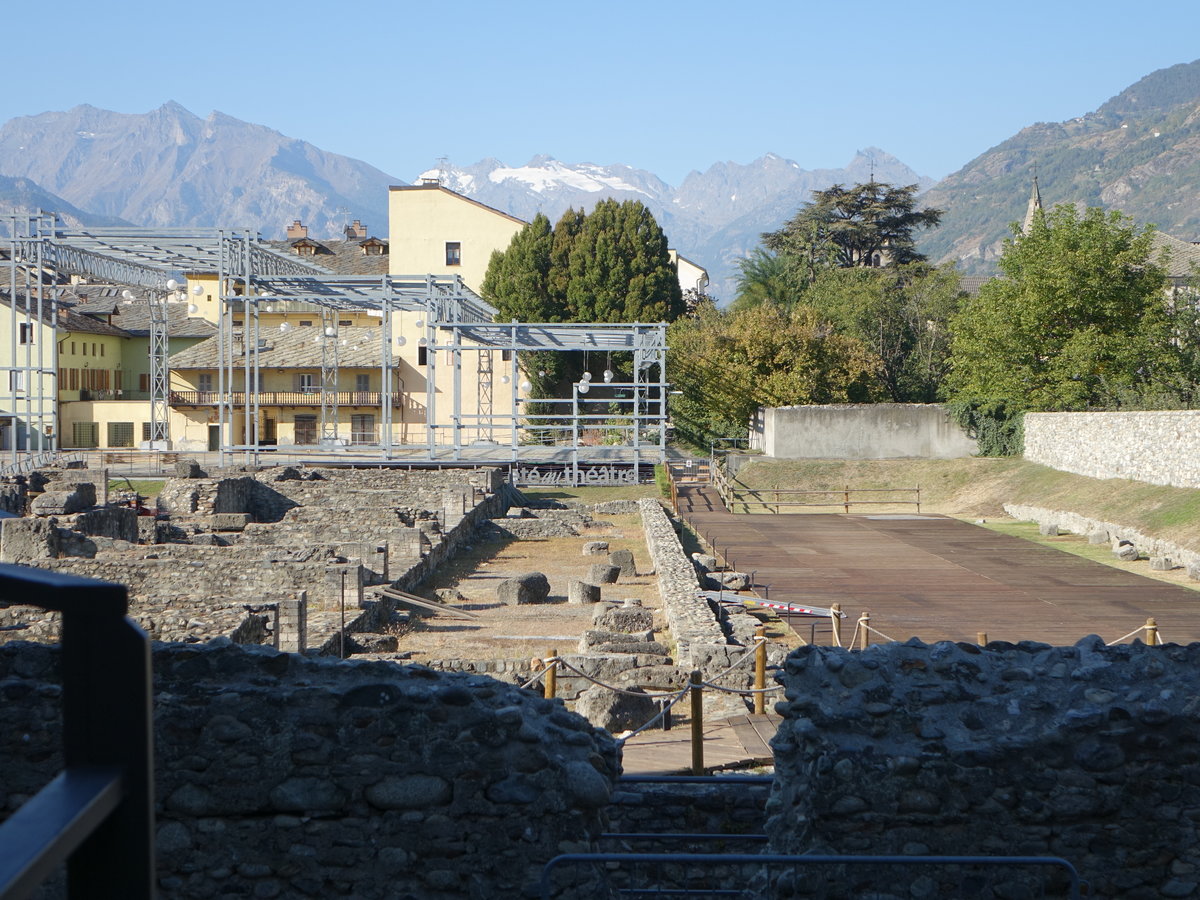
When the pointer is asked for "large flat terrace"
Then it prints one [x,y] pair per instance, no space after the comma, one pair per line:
[938,578]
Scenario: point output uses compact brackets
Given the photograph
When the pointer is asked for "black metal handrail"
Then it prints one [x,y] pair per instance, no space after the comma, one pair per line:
[97,815]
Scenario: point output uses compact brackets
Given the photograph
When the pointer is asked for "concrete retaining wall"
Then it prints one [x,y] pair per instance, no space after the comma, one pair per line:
[1161,447]
[861,431]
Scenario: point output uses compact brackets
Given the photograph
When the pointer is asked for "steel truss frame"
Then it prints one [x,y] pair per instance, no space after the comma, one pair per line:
[250,274]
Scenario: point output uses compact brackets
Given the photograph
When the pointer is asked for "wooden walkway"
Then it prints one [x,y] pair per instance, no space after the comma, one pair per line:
[937,578]
[737,742]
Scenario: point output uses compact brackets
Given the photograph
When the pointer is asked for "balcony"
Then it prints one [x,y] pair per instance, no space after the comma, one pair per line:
[205,399]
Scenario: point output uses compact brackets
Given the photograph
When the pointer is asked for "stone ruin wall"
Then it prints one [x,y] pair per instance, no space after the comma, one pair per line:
[1159,447]
[280,776]
[259,539]
[1090,753]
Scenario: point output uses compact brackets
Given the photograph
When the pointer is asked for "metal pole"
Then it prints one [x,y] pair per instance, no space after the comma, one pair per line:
[760,670]
[342,604]
[697,724]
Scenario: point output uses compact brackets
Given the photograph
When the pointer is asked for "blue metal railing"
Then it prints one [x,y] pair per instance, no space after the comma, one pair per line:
[97,815]
[1072,884]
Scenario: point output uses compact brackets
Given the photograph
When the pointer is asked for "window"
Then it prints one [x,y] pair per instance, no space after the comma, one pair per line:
[422,356]
[101,349]
[120,434]
[306,323]
[306,382]
[362,429]
[343,323]
[72,348]
[16,380]
[362,383]
[84,348]
[26,332]
[145,431]
[204,382]
[306,429]
[85,434]
[143,382]
[93,349]
[453,253]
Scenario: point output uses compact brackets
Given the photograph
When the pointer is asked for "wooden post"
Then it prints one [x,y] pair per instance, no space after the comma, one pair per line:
[846,500]
[835,622]
[697,724]
[864,626]
[918,499]
[760,670]
[550,682]
[1151,633]
[981,639]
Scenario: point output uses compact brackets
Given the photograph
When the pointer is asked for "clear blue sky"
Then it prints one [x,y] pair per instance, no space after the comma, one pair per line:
[665,86]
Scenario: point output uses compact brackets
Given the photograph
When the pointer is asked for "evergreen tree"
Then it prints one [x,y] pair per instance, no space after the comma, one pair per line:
[517,282]
[868,225]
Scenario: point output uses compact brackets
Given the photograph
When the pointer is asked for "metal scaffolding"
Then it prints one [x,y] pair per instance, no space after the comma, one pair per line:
[452,320]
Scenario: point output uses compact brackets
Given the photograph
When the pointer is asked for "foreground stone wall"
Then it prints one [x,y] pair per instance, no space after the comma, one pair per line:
[1086,752]
[1159,447]
[279,776]
[860,431]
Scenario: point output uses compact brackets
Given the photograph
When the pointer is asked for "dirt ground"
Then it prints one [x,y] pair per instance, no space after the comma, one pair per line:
[523,632]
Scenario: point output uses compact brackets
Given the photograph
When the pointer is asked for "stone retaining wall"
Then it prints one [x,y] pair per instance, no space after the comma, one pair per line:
[1077,524]
[1091,753]
[280,776]
[699,638]
[1159,447]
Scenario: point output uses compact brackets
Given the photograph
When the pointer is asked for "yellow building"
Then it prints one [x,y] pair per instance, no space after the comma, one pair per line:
[432,229]
[27,385]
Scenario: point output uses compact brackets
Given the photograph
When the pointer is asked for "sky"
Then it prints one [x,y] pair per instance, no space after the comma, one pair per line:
[669,87]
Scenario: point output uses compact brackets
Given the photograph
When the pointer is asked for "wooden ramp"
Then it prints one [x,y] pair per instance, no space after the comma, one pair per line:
[406,599]
[737,742]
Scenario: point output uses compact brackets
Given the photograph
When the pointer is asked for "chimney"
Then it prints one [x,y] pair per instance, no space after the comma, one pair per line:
[295,231]
[356,231]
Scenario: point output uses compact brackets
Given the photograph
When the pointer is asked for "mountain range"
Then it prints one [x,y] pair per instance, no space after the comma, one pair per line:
[1138,152]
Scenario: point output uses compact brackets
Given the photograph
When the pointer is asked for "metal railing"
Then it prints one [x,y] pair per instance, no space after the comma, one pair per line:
[697,870]
[742,498]
[97,815]
[283,398]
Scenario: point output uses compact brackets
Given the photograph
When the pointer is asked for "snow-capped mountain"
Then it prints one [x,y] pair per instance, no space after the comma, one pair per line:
[714,218]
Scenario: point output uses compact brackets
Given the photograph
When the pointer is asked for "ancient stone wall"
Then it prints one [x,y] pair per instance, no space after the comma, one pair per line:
[280,776]
[699,638]
[1091,753]
[1159,447]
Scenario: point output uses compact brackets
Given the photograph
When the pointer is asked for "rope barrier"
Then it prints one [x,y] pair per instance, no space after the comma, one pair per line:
[562,663]
[661,713]
[1151,627]
[745,692]
[878,632]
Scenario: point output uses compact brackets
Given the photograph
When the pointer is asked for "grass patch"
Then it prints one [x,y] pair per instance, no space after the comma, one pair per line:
[979,488]
[146,487]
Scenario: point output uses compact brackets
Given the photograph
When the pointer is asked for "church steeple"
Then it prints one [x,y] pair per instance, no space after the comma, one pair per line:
[1035,203]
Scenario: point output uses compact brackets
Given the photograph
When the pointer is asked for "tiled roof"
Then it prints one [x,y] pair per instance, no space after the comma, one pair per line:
[296,348]
[972,283]
[1183,257]
[68,319]
[134,317]
[340,256]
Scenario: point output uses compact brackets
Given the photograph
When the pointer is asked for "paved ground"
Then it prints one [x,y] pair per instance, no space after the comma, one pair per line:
[938,578]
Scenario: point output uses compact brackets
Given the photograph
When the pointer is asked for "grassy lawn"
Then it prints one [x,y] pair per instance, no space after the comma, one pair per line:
[148,488]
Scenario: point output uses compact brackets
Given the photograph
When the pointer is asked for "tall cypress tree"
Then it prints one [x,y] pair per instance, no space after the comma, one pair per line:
[517,282]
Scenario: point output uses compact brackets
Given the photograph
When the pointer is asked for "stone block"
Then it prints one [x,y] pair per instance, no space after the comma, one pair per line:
[603,573]
[25,539]
[579,592]
[365,642]
[595,548]
[595,638]
[532,587]
[704,562]
[734,581]
[1124,550]
[110,521]
[189,468]
[229,521]
[1097,537]
[1193,570]
[628,619]
[1162,564]
[616,712]
[623,560]
[1048,529]
[69,499]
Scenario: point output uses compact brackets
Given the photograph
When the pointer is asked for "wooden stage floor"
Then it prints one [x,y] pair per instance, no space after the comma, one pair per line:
[938,578]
